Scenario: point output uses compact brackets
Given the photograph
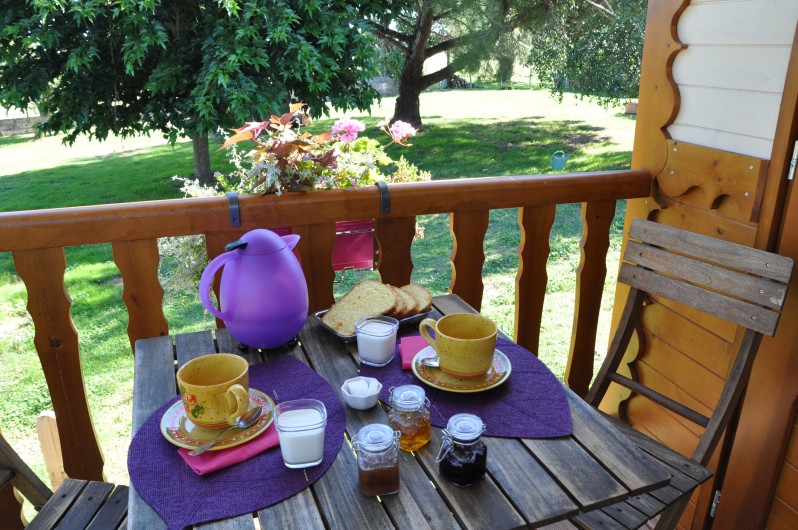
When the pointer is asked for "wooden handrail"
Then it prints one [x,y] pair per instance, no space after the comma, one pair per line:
[64,227]
[37,240]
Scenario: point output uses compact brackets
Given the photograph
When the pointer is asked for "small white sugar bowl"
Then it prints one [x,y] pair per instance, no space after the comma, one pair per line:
[361,392]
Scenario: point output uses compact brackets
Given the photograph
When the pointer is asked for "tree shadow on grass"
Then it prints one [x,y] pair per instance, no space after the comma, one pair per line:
[17,139]
[523,146]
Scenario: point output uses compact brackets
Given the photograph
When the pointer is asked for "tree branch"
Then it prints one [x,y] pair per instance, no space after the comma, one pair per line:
[608,9]
[444,73]
[388,34]
[444,46]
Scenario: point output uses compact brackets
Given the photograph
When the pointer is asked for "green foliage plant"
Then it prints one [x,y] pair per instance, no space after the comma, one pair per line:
[593,49]
[181,67]
[285,159]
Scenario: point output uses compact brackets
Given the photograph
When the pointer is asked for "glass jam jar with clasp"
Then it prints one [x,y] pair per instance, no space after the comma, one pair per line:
[410,416]
[463,456]
[377,448]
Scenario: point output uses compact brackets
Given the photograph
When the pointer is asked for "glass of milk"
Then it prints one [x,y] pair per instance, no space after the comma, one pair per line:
[300,426]
[376,339]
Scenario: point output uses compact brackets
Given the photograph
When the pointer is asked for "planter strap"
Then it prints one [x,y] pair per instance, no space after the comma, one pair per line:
[235,209]
[385,198]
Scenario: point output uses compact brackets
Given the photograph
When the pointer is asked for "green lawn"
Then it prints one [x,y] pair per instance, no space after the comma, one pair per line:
[466,134]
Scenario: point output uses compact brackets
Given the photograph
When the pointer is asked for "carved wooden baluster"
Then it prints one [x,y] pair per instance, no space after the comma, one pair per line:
[468,255]
[56,340]
[143,295]
[590,276]
[395,237]
[315,248]
[530,282]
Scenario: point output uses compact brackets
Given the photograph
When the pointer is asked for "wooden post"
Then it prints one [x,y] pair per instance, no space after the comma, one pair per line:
[56,340]
[590,276]
[468,255]
[530,282]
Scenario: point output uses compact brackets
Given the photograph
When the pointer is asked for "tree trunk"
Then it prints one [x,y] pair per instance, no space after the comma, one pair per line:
[408,106]
[505,71]
[202,159]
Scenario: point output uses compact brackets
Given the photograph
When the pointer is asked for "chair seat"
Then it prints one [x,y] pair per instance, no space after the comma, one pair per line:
[686,475]
[82,504]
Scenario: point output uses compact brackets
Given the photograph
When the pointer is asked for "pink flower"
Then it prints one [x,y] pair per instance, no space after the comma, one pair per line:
[401,131]
[348,128]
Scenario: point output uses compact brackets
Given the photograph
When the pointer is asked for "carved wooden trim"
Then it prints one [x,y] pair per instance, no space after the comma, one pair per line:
[722,177]
[658,103]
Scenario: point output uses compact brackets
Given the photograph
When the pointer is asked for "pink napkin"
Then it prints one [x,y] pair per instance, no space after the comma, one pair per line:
[210,461]
[409,347]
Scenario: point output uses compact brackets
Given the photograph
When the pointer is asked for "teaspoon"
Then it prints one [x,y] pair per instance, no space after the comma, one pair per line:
[243,421]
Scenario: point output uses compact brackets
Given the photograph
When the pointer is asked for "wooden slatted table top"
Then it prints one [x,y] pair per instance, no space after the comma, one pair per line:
[529,482]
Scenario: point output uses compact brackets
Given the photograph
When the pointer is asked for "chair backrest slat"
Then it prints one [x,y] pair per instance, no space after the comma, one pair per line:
[743,285]
[728,254]
[753,289]
[746,314]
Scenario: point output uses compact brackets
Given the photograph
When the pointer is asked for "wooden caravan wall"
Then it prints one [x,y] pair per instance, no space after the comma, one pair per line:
[711,129]
[783,514]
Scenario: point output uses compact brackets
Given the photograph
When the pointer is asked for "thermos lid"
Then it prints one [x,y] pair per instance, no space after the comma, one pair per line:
[258,242]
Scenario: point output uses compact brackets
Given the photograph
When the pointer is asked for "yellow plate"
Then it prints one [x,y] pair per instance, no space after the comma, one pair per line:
[437,378]
[179,430]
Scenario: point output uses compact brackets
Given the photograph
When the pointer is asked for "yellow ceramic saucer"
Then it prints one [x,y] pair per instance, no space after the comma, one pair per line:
[179,430]
[437,378]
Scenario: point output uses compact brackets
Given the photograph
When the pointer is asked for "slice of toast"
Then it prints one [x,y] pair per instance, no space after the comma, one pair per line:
[407,304]
[421,295]
[365,298]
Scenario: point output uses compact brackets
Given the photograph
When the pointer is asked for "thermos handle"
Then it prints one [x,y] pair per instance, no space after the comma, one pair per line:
[207,279]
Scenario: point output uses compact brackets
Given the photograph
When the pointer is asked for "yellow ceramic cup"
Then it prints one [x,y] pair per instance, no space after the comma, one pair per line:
[464,342]
[214,389]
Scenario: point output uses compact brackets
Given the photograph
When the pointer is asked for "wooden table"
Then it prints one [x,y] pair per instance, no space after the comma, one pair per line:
[530,482]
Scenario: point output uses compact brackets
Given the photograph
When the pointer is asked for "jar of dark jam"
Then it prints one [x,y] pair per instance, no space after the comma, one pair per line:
[463,456]
[377,448]
[409,414]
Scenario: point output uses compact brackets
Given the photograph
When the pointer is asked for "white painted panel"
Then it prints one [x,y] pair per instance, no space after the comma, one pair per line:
[758,68]
[735,111]
[739,22]
[736,143]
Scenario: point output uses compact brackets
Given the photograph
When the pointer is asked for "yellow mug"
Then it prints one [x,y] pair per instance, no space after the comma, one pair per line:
[464,342]
[214,389]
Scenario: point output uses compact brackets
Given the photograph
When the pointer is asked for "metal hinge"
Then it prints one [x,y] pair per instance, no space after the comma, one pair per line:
[715,502]
[793,162]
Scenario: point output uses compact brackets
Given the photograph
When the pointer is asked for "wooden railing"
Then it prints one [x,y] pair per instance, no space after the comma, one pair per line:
[38,239]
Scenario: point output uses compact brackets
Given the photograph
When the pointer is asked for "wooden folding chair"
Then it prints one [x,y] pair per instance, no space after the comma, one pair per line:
[740,284]
[76,504]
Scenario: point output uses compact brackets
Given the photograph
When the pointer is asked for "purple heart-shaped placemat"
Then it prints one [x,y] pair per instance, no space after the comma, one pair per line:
[530,404]
[184,498]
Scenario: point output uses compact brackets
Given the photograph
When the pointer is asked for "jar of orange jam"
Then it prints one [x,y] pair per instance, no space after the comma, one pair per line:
[409,414]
